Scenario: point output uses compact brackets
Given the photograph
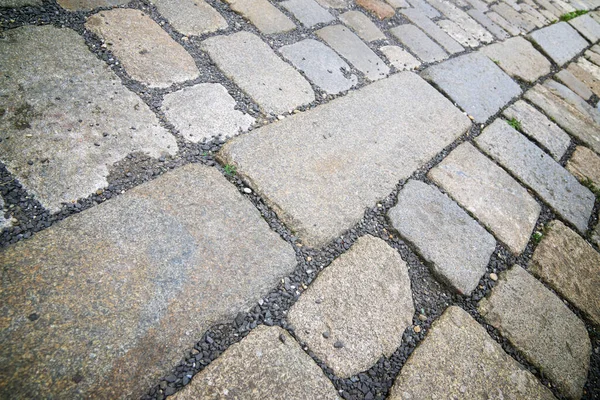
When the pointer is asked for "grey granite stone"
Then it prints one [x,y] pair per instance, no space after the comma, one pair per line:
[400,58]
[425,8]
[191,17]
[587,27]
[457,33]
[512,15]
[334,3]
[308,12]
[568,79]
[538,17]
[559,41]
[503,23]
[362,25]
[75,5]
[419,43]
[584,164]
[463,20]
[429,27]
[488,24]
[550,7]
[264,15]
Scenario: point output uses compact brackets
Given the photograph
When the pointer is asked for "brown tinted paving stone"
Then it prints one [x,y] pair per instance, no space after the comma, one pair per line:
[400,58]
[264,15]
[114,286]
[585,77]
[362,25]
[191,17]
[589,67]
[377,7]
[267,364]
[569,80]
[429,27]
[592,57]
[588,28]
[68,114]
[354,150]
[334,306]
[559,41]
[585,165]
[87,5]
[458,359]
[419,43]
[308,12]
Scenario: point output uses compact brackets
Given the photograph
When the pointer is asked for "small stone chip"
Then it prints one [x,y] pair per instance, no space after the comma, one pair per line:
[417,329]
[282,338]
[338,345]
[493,276]
[326,335]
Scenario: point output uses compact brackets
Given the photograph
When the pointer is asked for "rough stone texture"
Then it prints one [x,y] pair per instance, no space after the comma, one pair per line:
[377,7]
[334,3]
[488,24]
[19,3]
[191,17]
[354,151]
[424,7]
[539,19]
[398,3]
[419,43]
[58,101]
[79,5]
[264,15]
[587,27]
[114,286]
[592,57]
[446,236]
[559,41]
[429,27]
[308,12]
[4,222]
[400,58]
[362,25]
[539,171]
[537,126]
[473,365]
[584,164]
[504,24]
[267,364]
[475,83]
[463,20]
[550,7]
[335,304]
[514,17]
[203,111]
[457,33]
[569,80]
[349,46]
[585,76]
[490,194]
[591,68]
[253,66]
[518,58]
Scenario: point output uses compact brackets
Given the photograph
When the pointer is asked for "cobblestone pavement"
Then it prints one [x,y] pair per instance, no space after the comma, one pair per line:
[300,199]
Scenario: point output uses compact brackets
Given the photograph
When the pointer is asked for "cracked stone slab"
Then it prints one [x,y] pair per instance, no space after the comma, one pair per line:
[61,134]
[355,150]
[455,245]
[559,41]
[334,306]
[362,25]
[147,52]
[78,5]
[191,17]
[430,28]
[488,24]
[587,27]
[457,33]
[584,164]
[308,12]
[419,43]
[400,58]
[463,20]
[264,15]
[111,289]
[569,80]
[470,359]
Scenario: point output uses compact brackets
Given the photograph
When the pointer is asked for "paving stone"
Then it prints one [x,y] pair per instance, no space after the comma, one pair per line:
[425,8]
[400,58]
[536,15]
[539,171]
[478,5]
[569,80]
[334,3]
[457,33]
[204,111]
[320,64]
[473,365]
[559,41]
[541,327]
[550,7]
[535,20]
[429,27]
[321,189]
[518,58]
[549,16]
[504,24]
[308,12]
[191,17]
[4,222]
[145,50]
[455,245]
[398,3]
[538,127]
[488,24]
[55,123]
[362,25]
[587,27]
[463,20]
[593,69]
[565,7]
[592,57]
[80,5]
[349,46]
[264,15]
[488,193]
[585,77]
[419,43]
[335,303]
[510,14]
[120,280]
[253,66]
[596,48]
[475,83]
[584,164]
[377,7]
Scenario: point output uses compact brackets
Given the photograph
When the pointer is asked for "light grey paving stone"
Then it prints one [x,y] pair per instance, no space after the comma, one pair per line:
[595,48]
[78,5]
[320,64]
[463,20]
[592,57]
[354,151]
[513,4]
[583,74]
[268,363]
[459,360]
[55,122]
[540,172]
[204,111]
[4,221]
[569,80]
[550,7]
[429,27]
[549,16]
[425,8]
[488,193]
[252,65]
[455,245]
[308,12]
[541,327]
[264,15]
[400,58]
[398,3]
[503,23]
[533,19]
[510,14]
[559,41]
[191,17]
[334,306]
[540,18]
[457,33]
[584,164]
[566,7]
[475,83]
[478,5]
[121,279]
[334,3]
[488,24]
[587,27]
[419,43]
[349,46]
[362,25]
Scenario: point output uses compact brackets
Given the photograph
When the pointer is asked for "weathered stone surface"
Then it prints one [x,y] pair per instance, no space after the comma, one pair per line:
[203,111]
[113,287]
[264,15]
[490,194]
[320,64]
[429,27]
[550,7]
[354,151]
[488,24]
[463,20]
[541,327]
[377,7]
[592,56]
[362,25]
[58,102]
[425,8]
[4,221]
[419,43]
[589,67]
[559,41]
[446,236]
[569,80]
[504,24]
[334,3]
[253,66]
[19,3]
[512,15]
[539,171]
[335,304]
[585,76]
[518,58]
[457,33]
[584,164]
[266,364]
[587,27]
[398,3]
[81,5]
[539,18]
[400,58]
[472,365]
[349,46]
[308,12]
[475,83]
[191,17]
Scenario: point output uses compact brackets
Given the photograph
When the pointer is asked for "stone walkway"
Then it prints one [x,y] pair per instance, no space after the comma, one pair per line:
[300,199]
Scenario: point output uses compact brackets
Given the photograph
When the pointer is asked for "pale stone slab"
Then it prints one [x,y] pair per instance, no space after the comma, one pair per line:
[504,24]
[587,27]
[67,114]
[112,288]
[204,111]
[584,164]
[400,58]
[512,15]
[334,3]
[533,19]
[354,151]
[459,360]
[584,75]
[463,20]
[457,33]
[540,19]
[425,8]
[488,24]
[540,172]
[429,27]
[334,306]
[362,25]
[559,41]
[550,7]
[419,43]
[264,15]
[541,327]
[253,66]
[191,17]
[308,12]
[398,3]
[589,67]
[488,193]
[592,57]
[83,5]
[569,80]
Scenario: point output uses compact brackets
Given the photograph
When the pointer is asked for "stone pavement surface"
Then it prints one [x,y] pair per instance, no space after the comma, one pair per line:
[311,199]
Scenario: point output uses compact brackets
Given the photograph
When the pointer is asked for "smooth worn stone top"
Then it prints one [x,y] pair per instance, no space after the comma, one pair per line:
[488,24]
[587,26]
[428,26]
[567,78]
[334,308]
[191,17]
[559,41]
[308,12]
[99,304]
[463,20]
[400,58]
[459,360]
[419,43]
[585,165]
[362,25]
[321,168]
[86,5]
[264,15]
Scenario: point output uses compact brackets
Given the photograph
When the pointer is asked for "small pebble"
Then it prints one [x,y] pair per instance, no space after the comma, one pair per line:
[247,190]
[326,335]
[422,317]
[493,276]
[338,345]
[417,329]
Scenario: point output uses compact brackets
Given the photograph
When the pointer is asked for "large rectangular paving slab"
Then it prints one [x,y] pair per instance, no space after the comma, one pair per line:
[587,26]
[191,17]
[320,169]
[99,304]
[419,43]
[264,15]
[429,27]
[559,41]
